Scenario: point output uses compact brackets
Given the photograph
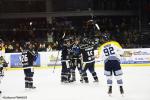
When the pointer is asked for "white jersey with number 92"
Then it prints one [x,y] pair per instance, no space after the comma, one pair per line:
[110,50]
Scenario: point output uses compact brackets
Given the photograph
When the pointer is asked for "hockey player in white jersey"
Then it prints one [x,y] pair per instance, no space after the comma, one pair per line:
[110,52]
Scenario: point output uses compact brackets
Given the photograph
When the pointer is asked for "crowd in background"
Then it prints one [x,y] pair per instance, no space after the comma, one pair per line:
[117,5]
[79,5]
[68,5]
[47,35]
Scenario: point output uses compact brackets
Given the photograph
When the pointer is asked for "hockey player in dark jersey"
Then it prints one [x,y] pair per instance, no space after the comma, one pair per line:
[87,51]
[76,59]
[65,60]
[3,63]
[27,58]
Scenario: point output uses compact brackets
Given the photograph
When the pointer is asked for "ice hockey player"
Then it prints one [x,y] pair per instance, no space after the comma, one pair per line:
[76,59]
[3,63]
[27,58]
[88,57]
[111,52]
[65,60]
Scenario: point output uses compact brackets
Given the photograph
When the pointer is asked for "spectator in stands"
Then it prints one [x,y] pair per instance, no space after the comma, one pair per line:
[10,48]
[42,47]
[50,37]
[120,27]
[17,48]
[49,48]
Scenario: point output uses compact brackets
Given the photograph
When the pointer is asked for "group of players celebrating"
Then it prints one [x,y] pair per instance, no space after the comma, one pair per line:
[77,52]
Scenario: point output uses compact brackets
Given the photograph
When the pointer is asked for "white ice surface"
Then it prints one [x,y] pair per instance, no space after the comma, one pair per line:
[136,86]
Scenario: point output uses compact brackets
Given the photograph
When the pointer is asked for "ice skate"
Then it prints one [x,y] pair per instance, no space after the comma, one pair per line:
[73,79]
[121,90]
[110,90]
[85,80]
[31,86]
[96,81]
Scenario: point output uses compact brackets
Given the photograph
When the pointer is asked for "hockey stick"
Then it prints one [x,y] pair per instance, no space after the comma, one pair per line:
[56,62]
[58,55]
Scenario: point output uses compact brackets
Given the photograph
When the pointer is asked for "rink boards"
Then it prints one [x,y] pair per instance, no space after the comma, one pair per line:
[58,67]
[132,57]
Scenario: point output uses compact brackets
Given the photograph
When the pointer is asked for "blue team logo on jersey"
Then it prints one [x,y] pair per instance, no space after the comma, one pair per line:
[15,60]
[76,50]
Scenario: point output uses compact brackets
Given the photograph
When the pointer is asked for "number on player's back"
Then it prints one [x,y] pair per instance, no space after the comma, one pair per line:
[109,51]
[90,53]
[24,57]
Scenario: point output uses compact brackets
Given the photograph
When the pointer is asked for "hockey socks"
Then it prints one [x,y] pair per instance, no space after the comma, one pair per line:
[95,77]
[29,83]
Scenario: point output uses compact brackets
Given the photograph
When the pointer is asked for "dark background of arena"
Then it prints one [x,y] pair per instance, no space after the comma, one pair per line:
[43,22]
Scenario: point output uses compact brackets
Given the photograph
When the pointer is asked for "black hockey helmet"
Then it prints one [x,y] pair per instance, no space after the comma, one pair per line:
[26,45]
[66,41]
[106,37]
[90,22]
[84,40]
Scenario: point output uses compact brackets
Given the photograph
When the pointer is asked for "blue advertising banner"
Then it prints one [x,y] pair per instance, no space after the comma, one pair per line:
[15,60]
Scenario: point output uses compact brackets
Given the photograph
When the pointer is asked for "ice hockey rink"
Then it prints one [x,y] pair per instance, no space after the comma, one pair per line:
[136,86]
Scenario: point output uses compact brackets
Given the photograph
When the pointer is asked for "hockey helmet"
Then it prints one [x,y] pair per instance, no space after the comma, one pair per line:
[106,37]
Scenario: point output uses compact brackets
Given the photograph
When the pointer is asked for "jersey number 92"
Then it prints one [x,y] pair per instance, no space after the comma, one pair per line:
[108,51]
